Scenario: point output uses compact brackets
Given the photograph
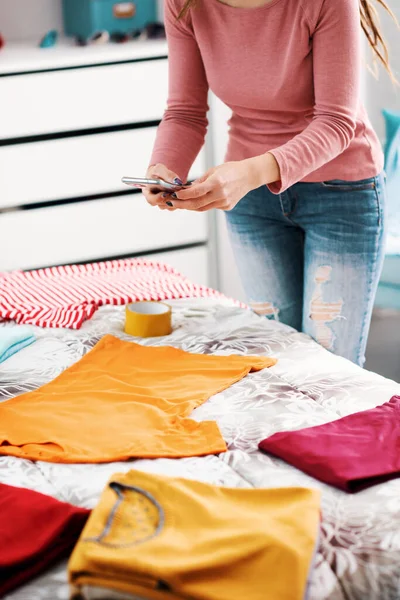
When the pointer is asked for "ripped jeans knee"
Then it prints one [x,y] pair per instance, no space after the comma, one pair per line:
[265,309]
[322,312]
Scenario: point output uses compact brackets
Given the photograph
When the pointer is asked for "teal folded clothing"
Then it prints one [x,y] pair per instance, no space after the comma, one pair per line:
[13,339]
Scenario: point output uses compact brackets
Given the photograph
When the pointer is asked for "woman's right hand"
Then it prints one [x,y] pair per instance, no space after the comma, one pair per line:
[160,199]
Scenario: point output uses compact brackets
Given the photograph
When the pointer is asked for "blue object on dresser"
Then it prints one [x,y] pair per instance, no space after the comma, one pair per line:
[49,39]
[388,295]
[83,18]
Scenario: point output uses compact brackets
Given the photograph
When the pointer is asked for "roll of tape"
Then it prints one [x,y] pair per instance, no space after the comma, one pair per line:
[148,319]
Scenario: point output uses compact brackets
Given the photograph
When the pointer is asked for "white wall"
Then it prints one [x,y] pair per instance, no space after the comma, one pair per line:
[229,281]
[25,19]
[381,93]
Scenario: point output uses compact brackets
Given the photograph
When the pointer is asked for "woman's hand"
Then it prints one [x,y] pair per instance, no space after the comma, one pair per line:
[222,187]
[154,197]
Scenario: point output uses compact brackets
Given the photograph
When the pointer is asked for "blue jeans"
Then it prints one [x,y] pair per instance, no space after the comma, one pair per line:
[312,257]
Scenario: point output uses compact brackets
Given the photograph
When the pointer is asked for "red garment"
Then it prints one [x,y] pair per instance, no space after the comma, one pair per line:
[67,296]
[35,531]
[352,453]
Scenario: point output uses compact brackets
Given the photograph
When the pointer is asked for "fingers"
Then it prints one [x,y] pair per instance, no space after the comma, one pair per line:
[212,206]
[166,207]
[201,186]
[196,190]
[161,172]
[204,177]
[208,202]
[159,199]
[167,204]
[154,199]
[205,193]
[207,207]
[195,204]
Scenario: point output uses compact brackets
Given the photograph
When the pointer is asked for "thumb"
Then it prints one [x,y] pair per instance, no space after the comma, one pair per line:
[204,177]
[161,172]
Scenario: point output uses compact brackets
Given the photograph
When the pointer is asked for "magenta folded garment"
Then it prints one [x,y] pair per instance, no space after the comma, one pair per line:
[352,453]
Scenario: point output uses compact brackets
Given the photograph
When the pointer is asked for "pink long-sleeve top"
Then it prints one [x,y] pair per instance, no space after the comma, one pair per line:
[290,70]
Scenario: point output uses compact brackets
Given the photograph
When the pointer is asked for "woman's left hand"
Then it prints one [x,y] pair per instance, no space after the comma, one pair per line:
[222,187]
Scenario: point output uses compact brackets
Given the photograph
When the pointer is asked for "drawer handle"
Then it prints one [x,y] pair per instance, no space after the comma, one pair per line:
[124,10]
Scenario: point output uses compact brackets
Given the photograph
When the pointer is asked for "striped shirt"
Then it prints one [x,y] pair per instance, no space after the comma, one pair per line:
[68,295]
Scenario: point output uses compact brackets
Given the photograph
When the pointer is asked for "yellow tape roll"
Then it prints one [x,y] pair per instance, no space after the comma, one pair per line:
[148,319]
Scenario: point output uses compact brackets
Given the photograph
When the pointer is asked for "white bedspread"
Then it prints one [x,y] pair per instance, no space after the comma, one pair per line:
[359,552]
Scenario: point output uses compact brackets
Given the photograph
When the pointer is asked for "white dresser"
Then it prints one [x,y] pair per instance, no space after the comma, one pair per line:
[73,121]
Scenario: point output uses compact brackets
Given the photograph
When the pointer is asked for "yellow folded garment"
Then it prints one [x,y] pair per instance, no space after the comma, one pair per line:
[159,538]
[120,401]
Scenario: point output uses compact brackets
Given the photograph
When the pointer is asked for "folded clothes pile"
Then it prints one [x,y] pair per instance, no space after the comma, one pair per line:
[35,531]
[158,538]
[14,339]
[68,296]
[352,453]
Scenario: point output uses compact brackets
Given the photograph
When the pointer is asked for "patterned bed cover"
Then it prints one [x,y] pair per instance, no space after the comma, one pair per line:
[359,550]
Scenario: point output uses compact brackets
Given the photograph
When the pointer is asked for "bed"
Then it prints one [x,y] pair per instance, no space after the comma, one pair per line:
[359,549]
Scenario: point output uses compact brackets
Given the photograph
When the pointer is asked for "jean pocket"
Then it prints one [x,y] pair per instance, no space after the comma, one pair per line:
[350,186]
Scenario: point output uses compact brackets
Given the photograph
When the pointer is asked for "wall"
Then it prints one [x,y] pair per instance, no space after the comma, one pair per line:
[229,281]
[24,19]
[381,93]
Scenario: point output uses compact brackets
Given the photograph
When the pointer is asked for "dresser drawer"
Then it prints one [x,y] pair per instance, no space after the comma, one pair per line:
[91,230]
[75,167]
[74,99]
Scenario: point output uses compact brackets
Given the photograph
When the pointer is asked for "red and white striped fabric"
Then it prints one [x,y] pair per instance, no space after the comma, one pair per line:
[67,296]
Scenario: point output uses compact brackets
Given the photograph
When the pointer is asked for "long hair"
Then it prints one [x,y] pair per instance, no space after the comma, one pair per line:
[369,22]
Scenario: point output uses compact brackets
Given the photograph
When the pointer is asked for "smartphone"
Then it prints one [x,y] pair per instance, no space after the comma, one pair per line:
[156,184]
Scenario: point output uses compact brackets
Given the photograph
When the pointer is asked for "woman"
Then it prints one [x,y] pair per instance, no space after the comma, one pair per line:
[303,185]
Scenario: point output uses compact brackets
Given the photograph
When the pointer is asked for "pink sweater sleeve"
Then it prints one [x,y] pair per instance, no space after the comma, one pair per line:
[182,131]
[336,48]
